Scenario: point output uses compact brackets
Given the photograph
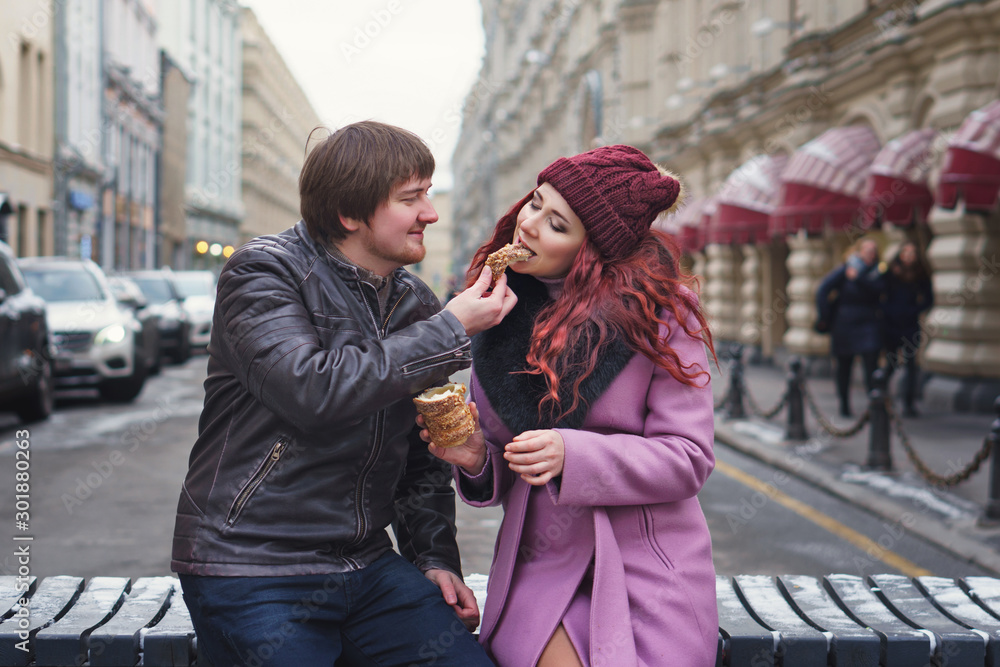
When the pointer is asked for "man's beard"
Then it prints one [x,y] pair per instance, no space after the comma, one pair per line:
[403,256]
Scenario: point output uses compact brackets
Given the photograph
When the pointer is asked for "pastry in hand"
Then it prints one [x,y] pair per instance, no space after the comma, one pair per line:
[446,415]
[510,253]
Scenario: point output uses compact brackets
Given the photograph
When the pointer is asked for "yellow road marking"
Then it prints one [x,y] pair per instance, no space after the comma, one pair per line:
[870,547]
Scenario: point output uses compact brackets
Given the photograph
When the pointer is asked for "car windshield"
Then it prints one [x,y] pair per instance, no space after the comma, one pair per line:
[63,283]
[194,284]
[156,290]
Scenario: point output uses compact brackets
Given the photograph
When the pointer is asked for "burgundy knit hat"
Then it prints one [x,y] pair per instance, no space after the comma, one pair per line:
[617,192]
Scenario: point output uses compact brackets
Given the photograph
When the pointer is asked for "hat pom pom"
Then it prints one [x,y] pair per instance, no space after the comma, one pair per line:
[682,191]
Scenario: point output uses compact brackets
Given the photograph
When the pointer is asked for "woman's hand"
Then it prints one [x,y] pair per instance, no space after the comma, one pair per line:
[471,456]
[537,456]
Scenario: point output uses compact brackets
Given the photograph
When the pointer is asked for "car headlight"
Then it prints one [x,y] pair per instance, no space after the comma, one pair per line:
[110,334]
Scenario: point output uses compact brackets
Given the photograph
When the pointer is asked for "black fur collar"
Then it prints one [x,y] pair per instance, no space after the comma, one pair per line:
[500,352]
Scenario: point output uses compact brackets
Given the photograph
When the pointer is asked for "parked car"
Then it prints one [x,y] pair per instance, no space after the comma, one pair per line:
[26,354]
[95,337]
[198,291]
[163,298]
[128,294]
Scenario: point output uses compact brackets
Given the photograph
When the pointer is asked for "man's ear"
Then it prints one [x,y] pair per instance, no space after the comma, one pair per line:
[350,224]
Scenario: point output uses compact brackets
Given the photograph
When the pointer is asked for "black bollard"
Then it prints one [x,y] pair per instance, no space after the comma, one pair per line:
[993,504]
[796,429]
[734,401]
[879,456]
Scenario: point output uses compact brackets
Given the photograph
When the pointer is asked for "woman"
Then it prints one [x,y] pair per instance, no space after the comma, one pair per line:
[908,294]
[596,429]
[853,291]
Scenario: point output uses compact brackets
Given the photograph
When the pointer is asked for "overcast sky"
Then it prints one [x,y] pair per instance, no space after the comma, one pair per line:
[405,62]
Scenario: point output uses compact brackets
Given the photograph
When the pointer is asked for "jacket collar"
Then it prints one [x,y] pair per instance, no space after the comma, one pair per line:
[499,356]
[340,264]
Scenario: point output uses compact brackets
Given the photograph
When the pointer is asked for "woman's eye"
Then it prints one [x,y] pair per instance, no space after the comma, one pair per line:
[534,206]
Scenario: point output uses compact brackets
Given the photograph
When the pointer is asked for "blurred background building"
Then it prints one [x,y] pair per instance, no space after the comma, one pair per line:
[798,127]
[203,38]
[26,127]
[147,133]
[79,168]
[437,269]
[277,119]
[131,128]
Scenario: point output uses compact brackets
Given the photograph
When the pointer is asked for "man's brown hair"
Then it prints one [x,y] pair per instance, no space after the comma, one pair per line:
[353,171]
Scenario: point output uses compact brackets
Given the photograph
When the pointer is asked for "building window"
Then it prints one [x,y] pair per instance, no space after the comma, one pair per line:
[26,95]
[22,231]
[41,84]
[42,233]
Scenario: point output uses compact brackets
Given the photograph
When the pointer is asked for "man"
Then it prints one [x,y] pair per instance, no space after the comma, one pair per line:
[307,448]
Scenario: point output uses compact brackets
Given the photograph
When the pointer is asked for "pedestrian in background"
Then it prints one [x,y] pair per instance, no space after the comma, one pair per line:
[851,295]
[909,293]
[307,449]
[596,429]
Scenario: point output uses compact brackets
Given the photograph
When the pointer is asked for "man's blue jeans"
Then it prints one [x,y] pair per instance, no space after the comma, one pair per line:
[386,614]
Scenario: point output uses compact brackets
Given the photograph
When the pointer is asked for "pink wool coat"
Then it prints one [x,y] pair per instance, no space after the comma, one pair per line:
[634,469]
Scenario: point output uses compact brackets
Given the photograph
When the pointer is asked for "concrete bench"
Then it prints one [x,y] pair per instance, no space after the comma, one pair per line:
[788,620]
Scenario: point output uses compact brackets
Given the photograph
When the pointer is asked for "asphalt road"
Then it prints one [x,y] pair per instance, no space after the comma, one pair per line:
[104,481]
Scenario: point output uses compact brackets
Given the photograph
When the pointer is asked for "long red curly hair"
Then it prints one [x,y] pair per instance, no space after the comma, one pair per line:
[601,300]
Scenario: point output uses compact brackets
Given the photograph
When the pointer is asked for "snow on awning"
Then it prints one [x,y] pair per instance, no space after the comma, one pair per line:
[971,169]
[747,200]
[821,185]
[897,189]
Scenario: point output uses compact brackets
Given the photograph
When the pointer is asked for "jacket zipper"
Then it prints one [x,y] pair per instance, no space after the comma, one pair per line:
[359,494]
[462,352]
[258,477]
[385,325]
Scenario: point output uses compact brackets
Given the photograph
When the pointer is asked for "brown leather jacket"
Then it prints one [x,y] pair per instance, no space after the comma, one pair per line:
[307,448]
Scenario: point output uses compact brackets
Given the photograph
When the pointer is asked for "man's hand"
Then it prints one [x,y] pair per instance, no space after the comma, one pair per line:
[458,595]
[537,456]
[471,456]
[478,311]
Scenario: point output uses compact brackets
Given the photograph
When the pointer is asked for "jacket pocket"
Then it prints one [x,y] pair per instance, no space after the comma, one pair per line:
[259,475]
[648,529]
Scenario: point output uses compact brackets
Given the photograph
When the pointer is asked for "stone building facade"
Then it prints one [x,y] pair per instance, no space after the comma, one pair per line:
[725,91]
[175,248]
[437,269]
[131,126]
[79,168]
[277,121]
[203,38]
[26,130]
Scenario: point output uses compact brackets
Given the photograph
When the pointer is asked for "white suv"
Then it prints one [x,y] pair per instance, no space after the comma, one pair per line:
[198,291]
[95,337]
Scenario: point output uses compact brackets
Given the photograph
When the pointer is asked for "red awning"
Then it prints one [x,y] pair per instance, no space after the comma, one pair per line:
[971,167]
[746,201]
[688,223]
[897,189]
[822,183]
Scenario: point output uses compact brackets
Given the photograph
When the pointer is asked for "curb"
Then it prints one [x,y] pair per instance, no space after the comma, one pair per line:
[783,455]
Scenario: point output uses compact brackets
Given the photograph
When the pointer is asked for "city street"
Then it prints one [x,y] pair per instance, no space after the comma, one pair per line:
[105,479]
